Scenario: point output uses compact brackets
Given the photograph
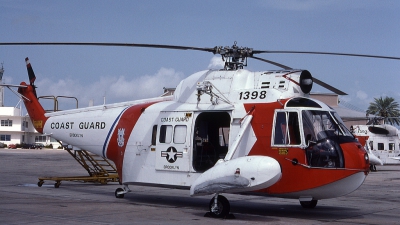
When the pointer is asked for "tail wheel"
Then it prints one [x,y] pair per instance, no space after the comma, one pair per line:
[309,204]
[221,209]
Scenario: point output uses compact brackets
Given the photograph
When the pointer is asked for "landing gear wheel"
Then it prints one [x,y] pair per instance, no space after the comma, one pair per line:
[40,183]
[221,209]
[57,185]
[309,204]
[119,195]
[372,168]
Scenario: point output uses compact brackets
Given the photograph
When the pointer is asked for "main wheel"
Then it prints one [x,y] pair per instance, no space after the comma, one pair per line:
[221,209]
[119,195]
[309,204]
[57,184]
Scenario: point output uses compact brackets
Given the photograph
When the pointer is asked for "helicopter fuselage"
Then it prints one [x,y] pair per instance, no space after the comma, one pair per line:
[223,131]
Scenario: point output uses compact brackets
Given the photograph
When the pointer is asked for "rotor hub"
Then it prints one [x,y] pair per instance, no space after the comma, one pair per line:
[234,57]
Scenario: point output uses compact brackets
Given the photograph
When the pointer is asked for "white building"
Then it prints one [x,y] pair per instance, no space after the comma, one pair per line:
[18,129]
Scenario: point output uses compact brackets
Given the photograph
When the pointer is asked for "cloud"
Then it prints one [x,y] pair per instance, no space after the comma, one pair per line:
[362,95]
[216,63]
[146,86]
[115,89]
[307,5]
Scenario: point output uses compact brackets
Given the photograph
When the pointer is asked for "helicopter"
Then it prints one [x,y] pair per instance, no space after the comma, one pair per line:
[229,130]
[381,141]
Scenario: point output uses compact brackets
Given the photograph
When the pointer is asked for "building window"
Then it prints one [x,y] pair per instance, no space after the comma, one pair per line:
[5,137]
[6,123]
[380,146]
[40,139]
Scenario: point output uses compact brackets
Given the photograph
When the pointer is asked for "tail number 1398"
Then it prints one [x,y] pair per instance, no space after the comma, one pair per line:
[252,95]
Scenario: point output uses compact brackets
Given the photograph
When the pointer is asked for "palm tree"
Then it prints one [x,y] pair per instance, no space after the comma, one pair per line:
[387,108]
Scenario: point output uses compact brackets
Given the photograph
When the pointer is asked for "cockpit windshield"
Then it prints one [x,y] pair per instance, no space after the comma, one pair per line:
[323,132]
[318,125]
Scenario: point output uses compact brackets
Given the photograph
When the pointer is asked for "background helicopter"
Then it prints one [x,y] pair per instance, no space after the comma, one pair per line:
[279,156]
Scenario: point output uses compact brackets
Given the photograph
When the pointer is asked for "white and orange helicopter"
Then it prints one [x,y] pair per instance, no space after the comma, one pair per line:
[222,131]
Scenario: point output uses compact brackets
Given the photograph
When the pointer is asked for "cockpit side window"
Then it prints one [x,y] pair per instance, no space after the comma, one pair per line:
[280,135]
[287,130]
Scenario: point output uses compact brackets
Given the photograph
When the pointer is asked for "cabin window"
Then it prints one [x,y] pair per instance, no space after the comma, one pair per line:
[381,146]
[165,134]
[224,136]
[391,146]
[287,130]
[154,135]
[180,134]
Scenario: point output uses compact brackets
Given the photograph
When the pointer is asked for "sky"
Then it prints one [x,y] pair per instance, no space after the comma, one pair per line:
[115,74]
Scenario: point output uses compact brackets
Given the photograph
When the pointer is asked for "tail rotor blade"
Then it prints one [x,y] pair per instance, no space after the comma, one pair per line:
[31,74]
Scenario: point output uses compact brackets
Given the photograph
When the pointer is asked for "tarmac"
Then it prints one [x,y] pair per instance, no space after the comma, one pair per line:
[377,201]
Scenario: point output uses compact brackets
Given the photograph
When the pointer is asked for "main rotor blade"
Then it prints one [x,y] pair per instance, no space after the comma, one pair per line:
[329,87]
[328,53]
[272,62]
[178,47]
[317,81]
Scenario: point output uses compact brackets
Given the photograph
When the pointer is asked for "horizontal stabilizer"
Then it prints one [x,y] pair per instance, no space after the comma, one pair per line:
[14,85]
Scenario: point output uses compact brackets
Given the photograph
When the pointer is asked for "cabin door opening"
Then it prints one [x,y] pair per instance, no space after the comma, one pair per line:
[210,140]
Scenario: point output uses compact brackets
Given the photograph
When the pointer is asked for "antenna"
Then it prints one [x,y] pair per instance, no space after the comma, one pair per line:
[1,71]
[1,88]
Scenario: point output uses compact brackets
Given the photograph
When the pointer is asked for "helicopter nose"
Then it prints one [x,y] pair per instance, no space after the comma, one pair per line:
[356,157]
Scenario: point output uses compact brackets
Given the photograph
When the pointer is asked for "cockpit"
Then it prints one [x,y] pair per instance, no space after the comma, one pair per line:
[314,127]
